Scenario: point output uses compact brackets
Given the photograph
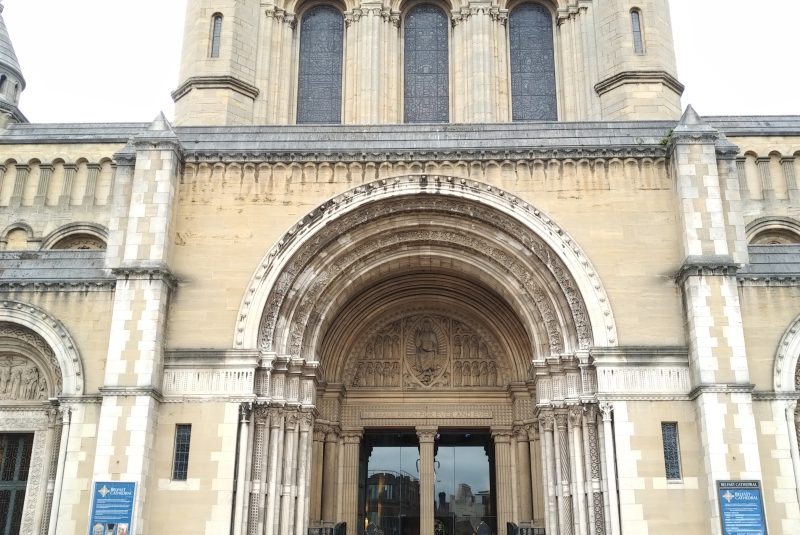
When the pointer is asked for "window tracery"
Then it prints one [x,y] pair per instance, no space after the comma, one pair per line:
[426,68]
[533,73]
[319,88]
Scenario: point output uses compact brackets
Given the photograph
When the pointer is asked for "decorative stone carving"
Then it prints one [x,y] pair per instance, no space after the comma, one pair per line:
[21,379]
[426,351]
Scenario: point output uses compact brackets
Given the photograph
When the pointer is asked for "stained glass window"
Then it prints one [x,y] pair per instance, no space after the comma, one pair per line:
[533,69]
[216,34]
[319,88]
[180,460]
[636,21]
[426,70]
[672,458]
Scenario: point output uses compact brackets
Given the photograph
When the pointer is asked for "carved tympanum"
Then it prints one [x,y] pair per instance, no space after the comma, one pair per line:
[21,379]
[426,351]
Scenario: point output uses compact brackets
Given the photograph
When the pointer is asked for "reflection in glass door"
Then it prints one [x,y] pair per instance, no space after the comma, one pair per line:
[389,497]
[464,466]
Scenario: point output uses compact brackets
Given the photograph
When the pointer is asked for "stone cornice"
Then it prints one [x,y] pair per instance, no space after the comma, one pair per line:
[769,395]
[639,77]
[131,391]
[215,82]
[60,285]
[753,279]
[706,266]
[145,272]
[721,388]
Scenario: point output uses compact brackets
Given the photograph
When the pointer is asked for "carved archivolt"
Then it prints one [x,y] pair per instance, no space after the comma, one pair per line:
[424,351]
[286,275]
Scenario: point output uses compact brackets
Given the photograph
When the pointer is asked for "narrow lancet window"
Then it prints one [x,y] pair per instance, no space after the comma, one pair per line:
[319,87]
[180,456]
[426,71]
[636,22]
[672,458]
[533,70]
[216,35]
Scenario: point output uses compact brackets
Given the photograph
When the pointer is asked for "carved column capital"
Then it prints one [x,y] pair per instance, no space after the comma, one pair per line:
[606,409]
[546,422]
[306,420]
[502,436]
[276,417]
[352,437]
[533,431]
[427,434]
[520,432]
[561,419]
[576,415]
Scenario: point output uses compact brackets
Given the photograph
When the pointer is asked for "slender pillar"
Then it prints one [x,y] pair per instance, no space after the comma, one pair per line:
[70,170]
[787,163]
[45,172]
[546,429]
[241,470]
[593,475]
[537,476]
[611,467]
[502,460]
[318,456]
[303,467]
[258,475]
[19,185]
[767,190]
[352,447]
[329,476]
[791,415]
[524,475]
[427,479]
[63,448]
[273,469]
[579,488]
[288,487]
[563,467]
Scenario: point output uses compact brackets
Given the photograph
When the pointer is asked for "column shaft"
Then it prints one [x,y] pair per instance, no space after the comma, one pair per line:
[273,471]
[241,472]
[611,476]
[329,477]
[289,482]
[564,484]
[303,472]
[352,448]
[524,476]
[427,480]
[579,488]
[502,456]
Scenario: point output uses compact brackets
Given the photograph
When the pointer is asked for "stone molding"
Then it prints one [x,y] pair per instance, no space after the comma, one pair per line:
[786,359]
[215,82]
[639,77]
[146,272]
[710,266]
[55,335]
[563,250]
[721,388]
[642,372]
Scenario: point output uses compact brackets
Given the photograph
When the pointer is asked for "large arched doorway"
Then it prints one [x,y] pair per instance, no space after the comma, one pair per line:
[405,328]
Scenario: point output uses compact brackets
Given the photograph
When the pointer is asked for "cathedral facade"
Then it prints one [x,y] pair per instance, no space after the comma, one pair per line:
[416,267]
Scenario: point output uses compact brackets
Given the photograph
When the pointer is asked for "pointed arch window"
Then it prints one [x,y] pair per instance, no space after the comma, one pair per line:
[3,84]
[319,87]
[636,26]
[426,95]
[533,69]
[216,35]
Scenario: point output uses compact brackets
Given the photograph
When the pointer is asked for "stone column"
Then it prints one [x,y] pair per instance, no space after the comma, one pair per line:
[318,456]
[524,475]
[70,170]
[63,448]
[303,473]
[352,449]
[550,478]
[274,470]
[741,171]
[45,172]
[564,485]
[787,163]
[579,485]
[19,185]
[258,474]
[611,467]
[502,461]
[767,190]
[329,476]
[289,482]
[241,471]
[427,479]
[537,475]
[93,171]
[593,473]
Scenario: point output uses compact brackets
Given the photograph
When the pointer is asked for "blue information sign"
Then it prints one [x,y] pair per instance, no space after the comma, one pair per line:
[112,508]
[741,507]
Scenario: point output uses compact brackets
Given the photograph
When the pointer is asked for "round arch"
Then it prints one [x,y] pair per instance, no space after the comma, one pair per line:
[57,338]
[786,359]
[531,262]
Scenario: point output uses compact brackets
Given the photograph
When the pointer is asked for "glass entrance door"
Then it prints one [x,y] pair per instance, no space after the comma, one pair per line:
[464,491]
[389,495]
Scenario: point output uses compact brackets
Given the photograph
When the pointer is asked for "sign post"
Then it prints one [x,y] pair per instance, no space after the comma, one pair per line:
[741,507]
[112,508]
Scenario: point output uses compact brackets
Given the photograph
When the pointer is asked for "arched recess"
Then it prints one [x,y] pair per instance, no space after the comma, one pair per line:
[84,235]
[776,230]
[525,256]
[65,361]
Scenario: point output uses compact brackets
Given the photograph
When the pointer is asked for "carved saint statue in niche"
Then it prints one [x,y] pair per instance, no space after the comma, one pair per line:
[21,380]
[427,344]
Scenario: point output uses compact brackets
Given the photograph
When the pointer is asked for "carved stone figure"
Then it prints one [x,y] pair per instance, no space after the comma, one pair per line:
[21,380]
[427,345]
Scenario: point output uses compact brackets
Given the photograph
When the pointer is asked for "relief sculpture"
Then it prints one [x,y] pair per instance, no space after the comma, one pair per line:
[425,351]
[21,380]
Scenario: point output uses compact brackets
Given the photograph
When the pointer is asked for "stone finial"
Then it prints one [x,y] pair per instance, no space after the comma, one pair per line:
[691,122]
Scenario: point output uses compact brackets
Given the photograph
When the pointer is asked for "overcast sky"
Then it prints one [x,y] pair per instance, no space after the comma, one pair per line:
[113,60]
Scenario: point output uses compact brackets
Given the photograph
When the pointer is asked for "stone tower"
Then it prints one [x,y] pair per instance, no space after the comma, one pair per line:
[593,60]
[12,83]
